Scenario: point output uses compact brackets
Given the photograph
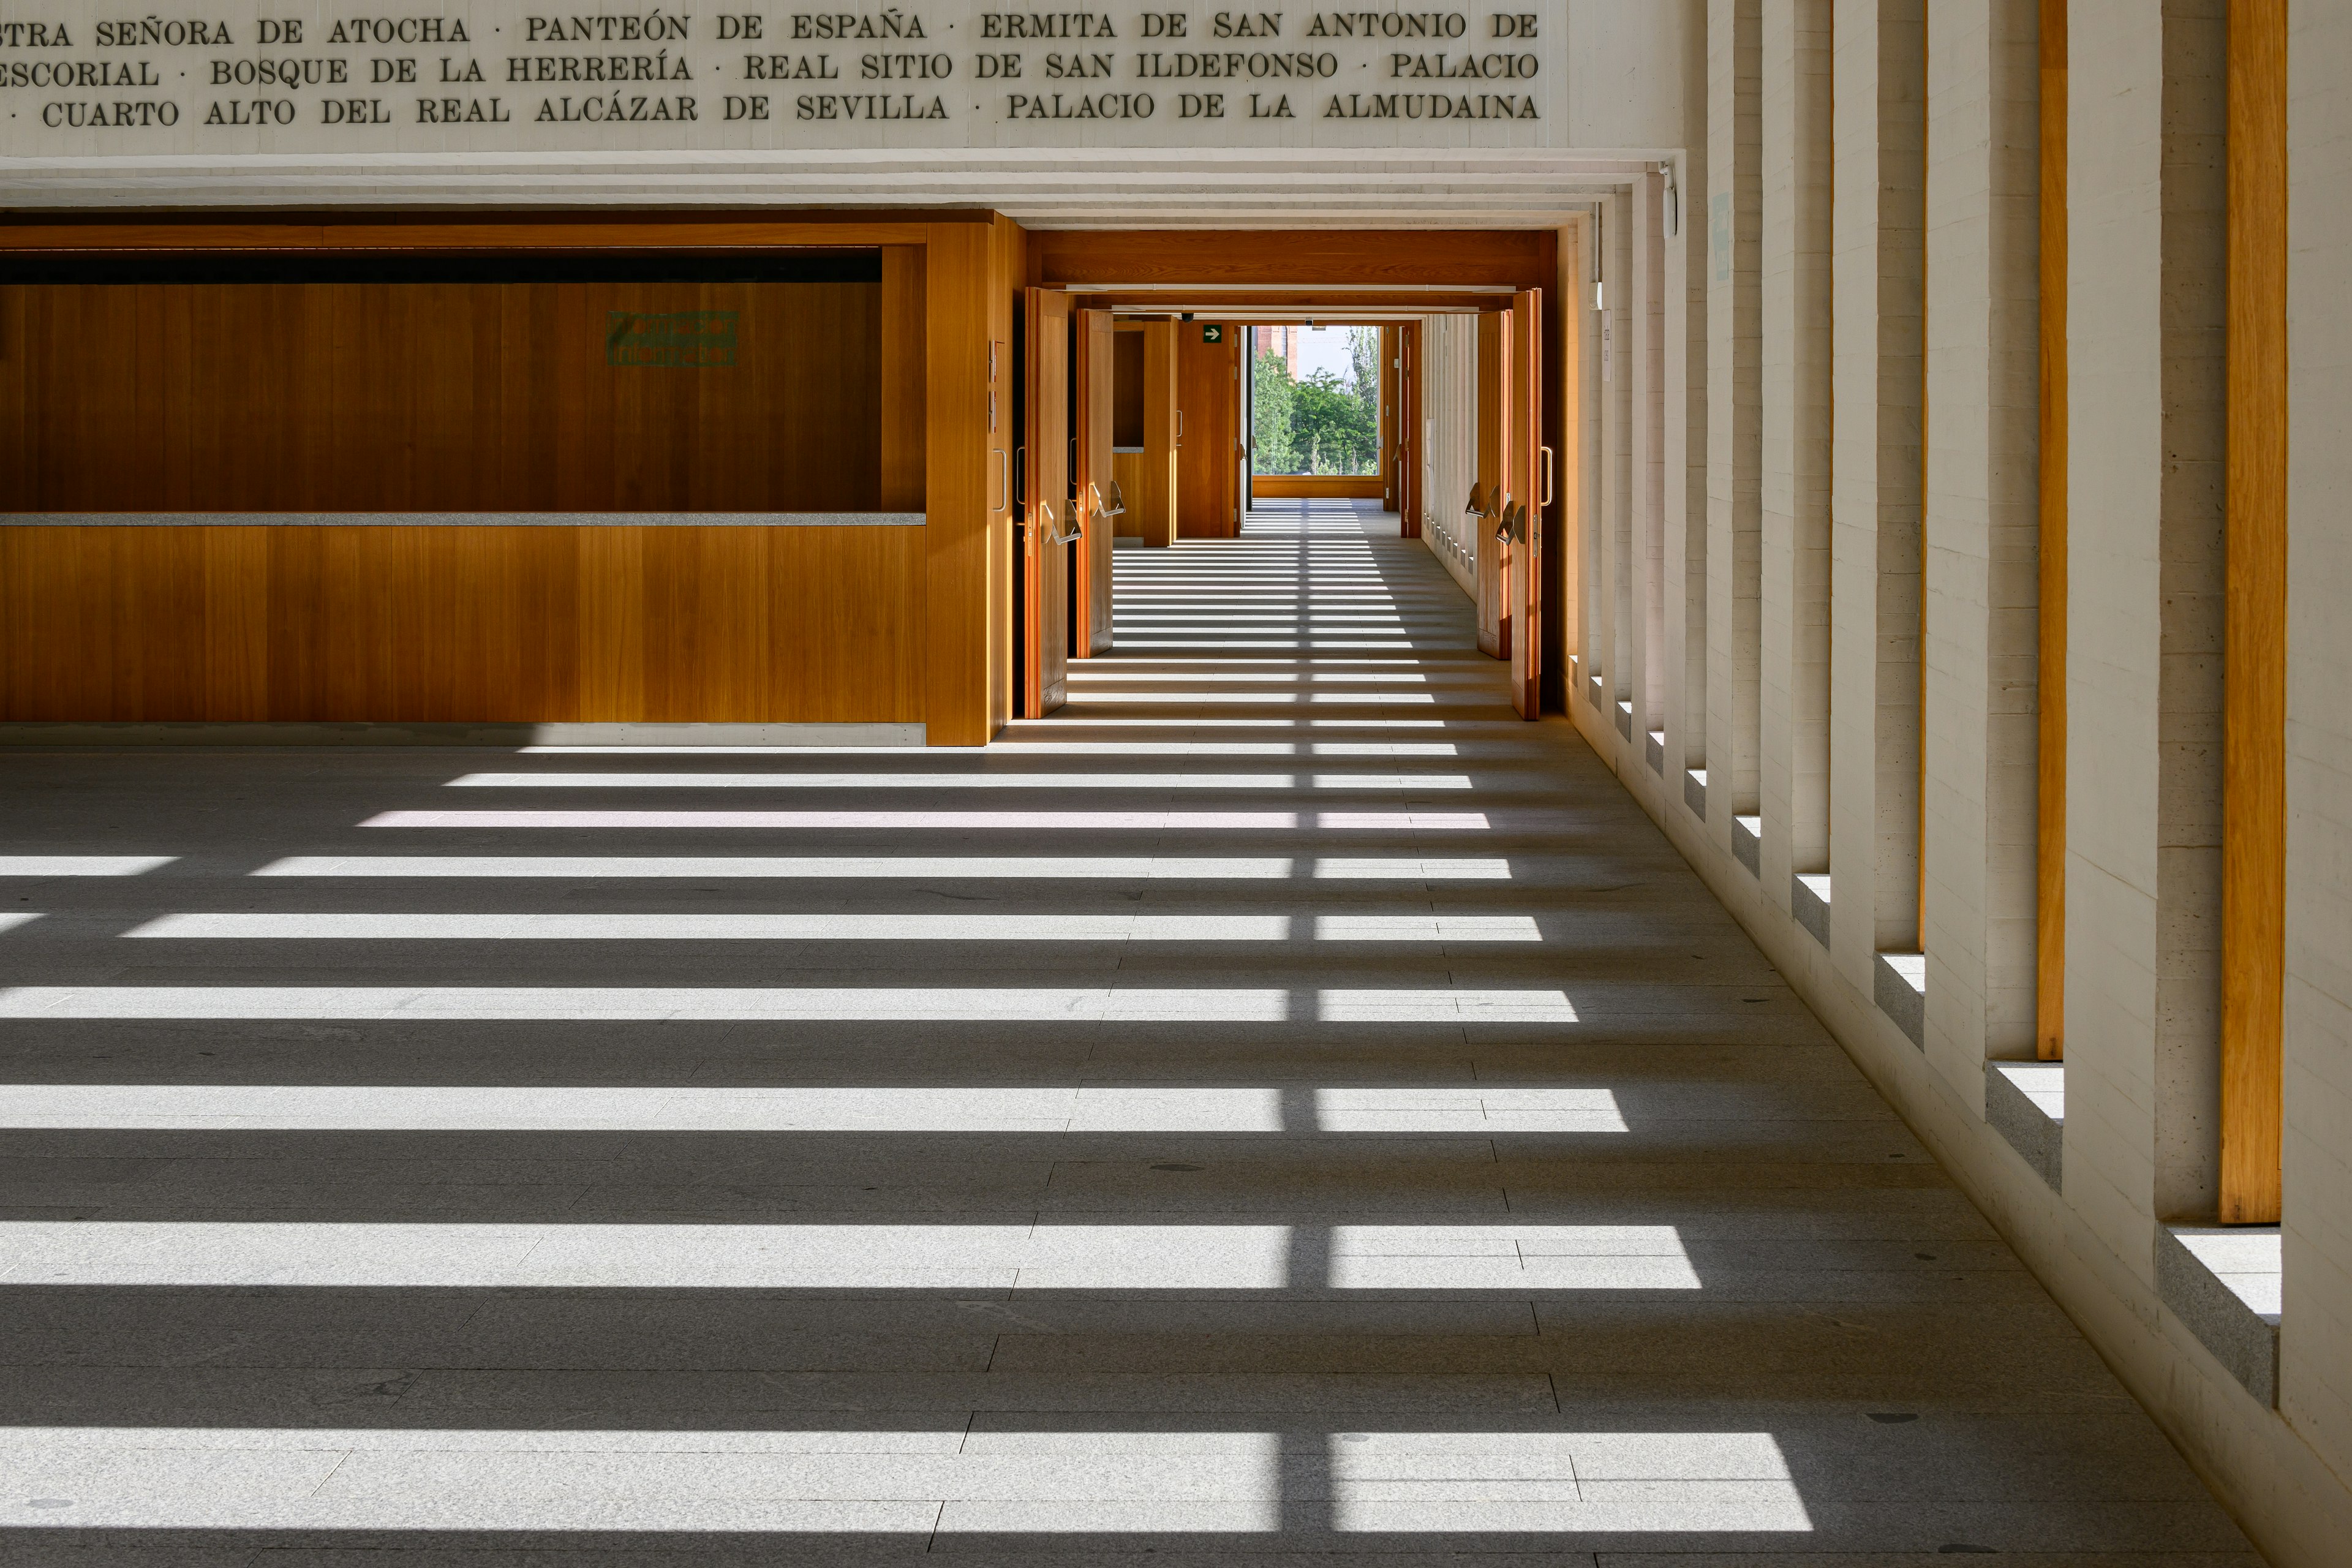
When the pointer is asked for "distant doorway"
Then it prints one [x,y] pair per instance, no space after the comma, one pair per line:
[1316,420]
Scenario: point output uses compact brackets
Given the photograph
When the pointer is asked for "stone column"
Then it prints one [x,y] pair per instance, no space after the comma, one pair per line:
[1794,773]
[2145,314]
[1734,407]
[1983,528]
[1878,376]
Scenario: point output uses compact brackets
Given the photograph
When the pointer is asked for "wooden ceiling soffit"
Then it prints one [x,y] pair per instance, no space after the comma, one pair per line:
[1513,258]
[1330,306]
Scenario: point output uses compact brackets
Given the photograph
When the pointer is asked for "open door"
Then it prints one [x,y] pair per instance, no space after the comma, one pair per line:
[1492,497]
[1100,502]
[1047,531]
[1529,483]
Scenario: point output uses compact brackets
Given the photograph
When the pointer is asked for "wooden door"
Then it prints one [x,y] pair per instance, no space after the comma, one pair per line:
[1158,491]
[1529,482]
[1095,482]
[1407,446]
[1208,438]
[1042,581]
[1494,462]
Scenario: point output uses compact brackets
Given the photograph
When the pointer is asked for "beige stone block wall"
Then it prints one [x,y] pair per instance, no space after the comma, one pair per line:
[2315,1328]
[2145,491]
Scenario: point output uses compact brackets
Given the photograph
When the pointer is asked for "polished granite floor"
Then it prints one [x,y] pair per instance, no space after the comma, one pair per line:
[1279,1109]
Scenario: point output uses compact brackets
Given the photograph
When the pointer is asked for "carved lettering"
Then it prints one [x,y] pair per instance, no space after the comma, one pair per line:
[652,27]
[849,25]
[150,31]
[77,73]
[868,106]
[1388,25]
[598,67]
[1046,25]
[83,115]
[906,68]
[398,30]
[617,108]
[790,68]
[1429,105]
[1225,66]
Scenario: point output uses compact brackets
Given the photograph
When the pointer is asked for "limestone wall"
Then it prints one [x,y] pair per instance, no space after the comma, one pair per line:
[1871,564]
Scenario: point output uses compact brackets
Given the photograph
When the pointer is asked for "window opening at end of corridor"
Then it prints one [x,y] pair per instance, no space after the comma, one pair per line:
[1314,402]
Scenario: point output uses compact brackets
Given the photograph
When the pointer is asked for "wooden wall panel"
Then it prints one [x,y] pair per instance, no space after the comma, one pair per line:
[441,397]
[529,624]
[825,640]
[462,624]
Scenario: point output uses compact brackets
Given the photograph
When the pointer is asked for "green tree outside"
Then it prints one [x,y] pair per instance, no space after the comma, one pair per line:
[1270,404]
[1322,425]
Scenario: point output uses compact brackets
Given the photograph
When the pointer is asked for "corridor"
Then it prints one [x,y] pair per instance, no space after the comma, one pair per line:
[1279,1106]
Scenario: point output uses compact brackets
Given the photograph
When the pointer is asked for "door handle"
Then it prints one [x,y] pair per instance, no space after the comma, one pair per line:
[1180,425]
[1547,476]
[1004,481]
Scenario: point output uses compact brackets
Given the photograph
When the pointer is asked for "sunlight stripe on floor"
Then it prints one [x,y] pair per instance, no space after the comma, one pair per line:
[832,1484]
[1082,821]
[312,925]
[912,1003]
[850,1256]
[1476,1110]
[714,779]
[1057,868]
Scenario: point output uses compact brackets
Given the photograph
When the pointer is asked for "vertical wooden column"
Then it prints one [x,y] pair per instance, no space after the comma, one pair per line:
[2253,760]
[967,423]
[2050,900]
[903,378]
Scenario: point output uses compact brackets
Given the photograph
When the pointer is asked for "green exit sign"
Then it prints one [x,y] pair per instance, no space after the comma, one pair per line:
[1212,334]
[671,339]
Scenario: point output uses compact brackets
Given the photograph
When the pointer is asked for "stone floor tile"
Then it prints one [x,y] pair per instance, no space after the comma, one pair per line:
[1468,1189]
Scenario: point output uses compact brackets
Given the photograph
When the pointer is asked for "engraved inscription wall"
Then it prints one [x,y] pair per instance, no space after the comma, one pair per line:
[253,77]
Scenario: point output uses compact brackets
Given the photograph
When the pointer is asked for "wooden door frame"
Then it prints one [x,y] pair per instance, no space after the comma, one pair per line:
[1493,427]
[1523,556]
[1043,567]
[1092,413]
